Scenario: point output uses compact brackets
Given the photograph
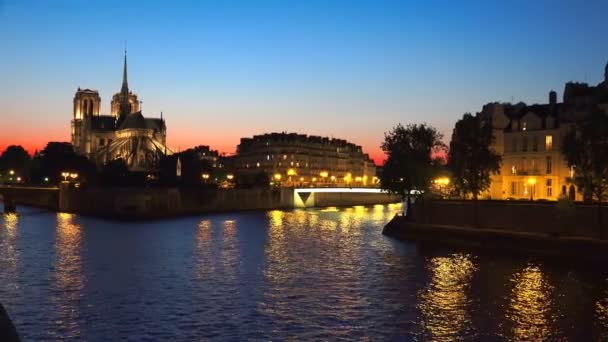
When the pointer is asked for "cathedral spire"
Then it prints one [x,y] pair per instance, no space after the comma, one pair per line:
[125,84]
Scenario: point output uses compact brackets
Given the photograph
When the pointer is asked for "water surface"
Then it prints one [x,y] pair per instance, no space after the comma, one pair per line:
[301,274]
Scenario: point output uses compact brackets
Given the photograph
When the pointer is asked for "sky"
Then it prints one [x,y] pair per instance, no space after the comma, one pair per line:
[222,70]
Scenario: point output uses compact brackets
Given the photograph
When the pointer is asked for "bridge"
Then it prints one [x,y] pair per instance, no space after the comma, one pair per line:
[321,197]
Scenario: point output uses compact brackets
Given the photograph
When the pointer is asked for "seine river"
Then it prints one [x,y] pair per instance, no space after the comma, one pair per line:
[276,275]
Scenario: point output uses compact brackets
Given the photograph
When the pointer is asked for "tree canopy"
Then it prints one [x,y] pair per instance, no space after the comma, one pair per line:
[413,158]
[58,157]
[585,147]
[471,159]
[192,168]
[14,158]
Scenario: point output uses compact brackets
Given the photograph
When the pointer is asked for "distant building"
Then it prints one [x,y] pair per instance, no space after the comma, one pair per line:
[205,153]
[125,133]
[298,159]
[529,138]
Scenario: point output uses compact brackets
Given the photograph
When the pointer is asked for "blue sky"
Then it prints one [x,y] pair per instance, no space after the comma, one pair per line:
[220,70]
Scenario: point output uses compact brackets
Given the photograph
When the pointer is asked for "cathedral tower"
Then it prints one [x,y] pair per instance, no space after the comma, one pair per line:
[87,104]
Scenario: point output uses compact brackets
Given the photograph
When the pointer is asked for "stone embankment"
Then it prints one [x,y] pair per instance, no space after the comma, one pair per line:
[526,228]
[153,203]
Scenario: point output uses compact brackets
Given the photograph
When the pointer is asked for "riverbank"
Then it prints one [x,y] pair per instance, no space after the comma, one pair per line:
[164,203]
[518,242]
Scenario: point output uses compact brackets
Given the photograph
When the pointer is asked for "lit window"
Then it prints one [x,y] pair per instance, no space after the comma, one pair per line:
[572,171]
[513,169]
[549,166]
[257,164]
[268,157]
[524,126]
[549,187]
[548,143]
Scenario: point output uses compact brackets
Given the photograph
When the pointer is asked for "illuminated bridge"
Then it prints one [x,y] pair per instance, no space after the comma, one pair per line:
[321,197]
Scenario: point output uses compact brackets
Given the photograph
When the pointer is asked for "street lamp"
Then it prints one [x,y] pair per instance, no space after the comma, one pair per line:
[65,176]
[531,182]
[277,176]
[205,177]
[11,172]
[230,176]
[73,175]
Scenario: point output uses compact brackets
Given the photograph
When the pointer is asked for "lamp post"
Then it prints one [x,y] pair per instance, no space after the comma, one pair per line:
[205,176]
[532,182]
[65,176]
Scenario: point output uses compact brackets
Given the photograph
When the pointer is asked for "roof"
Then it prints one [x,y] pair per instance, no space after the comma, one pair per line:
[155,124]
[103,122]
[135,121]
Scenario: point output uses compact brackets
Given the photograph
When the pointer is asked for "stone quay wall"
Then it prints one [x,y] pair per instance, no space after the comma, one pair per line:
[115,202]
[36,197]
[581,220]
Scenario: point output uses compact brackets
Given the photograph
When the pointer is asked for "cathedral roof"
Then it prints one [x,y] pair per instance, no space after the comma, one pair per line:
[103,122]
[155,124]
[134,120]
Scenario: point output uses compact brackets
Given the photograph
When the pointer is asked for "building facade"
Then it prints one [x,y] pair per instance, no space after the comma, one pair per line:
[529,139]
[296,159]
[124,134]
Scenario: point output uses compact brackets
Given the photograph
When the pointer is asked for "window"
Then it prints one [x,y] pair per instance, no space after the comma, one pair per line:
[524,126]
[572,171]
[513,169]
[533,166]
[548,164]
[102,141]
[534,144]
[514,145]
[549,143]
[513,189]
[524,145]
[549,189]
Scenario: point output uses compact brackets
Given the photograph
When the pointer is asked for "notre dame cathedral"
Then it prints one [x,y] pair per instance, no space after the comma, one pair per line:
[124,134]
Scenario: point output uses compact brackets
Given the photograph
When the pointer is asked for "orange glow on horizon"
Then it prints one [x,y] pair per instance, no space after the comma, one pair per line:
[33,144]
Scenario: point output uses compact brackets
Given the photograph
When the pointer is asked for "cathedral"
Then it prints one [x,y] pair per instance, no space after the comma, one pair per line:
[124,134]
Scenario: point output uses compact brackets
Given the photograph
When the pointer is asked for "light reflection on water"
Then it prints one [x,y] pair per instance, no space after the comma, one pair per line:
[279,275]
[445,302]
[530,307]
[67,278]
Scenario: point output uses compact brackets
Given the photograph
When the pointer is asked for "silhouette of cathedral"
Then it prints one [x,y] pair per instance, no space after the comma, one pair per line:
[124,134]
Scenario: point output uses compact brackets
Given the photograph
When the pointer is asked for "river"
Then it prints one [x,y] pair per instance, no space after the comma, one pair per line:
[313,274]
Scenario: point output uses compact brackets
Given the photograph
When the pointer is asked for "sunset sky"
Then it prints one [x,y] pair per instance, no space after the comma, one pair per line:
[221,70]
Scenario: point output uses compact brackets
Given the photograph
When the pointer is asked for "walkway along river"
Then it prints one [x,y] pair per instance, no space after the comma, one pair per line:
[307,274]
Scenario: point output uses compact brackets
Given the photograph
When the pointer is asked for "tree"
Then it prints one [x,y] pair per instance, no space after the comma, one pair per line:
[585,148]
[412,159]
[470,159]
[59,157]
[14,158]
[193,166]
